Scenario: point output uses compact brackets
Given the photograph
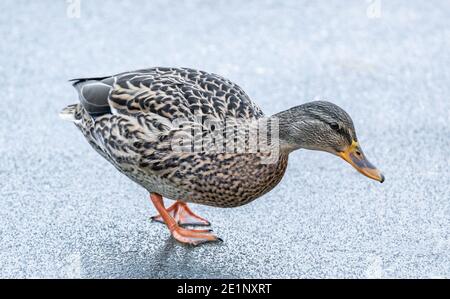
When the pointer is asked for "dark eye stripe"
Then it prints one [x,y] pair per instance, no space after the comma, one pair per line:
[334,126]
[343,132]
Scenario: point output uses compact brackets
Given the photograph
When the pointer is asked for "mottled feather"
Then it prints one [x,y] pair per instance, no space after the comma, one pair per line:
[130,120]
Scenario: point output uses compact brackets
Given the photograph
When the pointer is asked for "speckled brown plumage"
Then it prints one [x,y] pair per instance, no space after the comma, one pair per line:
[137,133]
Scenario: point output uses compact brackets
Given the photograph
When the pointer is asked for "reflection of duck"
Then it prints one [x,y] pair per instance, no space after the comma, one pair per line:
[130,120]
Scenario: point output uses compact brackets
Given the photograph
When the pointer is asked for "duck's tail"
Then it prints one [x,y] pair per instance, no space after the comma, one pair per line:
[71,113]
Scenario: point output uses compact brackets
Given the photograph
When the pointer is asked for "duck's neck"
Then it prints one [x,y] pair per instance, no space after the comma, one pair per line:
[286,127]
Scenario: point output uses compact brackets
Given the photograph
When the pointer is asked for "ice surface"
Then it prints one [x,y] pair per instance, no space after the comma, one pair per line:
[65,212]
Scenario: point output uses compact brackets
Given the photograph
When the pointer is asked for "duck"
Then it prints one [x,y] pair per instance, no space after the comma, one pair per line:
[196,137]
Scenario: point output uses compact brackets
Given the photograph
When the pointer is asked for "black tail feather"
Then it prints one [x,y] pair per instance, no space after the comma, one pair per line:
[81,80]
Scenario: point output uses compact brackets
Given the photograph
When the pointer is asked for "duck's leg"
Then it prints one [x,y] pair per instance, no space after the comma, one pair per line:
[183,215]
[188,236]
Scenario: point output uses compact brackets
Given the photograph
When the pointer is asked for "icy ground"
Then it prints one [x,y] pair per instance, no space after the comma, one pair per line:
[65,212]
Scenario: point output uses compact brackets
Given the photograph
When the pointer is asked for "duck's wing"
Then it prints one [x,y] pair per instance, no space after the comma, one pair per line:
[130,118]
[168,92]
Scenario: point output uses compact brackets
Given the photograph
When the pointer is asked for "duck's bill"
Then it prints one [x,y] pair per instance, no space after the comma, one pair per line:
[355,156]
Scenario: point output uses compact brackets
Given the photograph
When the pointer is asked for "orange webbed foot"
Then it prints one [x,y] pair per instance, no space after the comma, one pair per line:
[183,215]
[194,236]
[180,213]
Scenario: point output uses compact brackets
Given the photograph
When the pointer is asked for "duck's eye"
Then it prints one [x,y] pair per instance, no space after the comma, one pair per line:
[334,126]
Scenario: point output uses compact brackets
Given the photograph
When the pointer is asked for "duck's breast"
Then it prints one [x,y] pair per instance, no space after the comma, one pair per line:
[230,180]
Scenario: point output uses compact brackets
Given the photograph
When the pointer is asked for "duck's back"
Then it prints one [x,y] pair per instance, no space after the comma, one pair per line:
[168,92]
[132,118]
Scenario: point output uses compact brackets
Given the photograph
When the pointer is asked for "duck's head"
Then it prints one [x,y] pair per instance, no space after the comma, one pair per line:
[325,127]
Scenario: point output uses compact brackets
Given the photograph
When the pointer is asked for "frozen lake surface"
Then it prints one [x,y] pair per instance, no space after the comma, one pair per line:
[66,212]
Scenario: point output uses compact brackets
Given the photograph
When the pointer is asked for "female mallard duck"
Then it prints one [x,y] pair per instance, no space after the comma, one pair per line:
[135,120]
